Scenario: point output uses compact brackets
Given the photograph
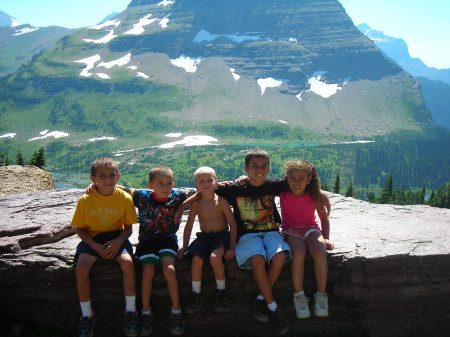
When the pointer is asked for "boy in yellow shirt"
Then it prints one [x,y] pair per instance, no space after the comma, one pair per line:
[103,221]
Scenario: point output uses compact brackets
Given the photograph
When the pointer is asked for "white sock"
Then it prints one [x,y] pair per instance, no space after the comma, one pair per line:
[86,310]
[272,306]
[197,286]
[260,297]
[146,313]
[176,311]
[299,293]
[220,284]
[130,303]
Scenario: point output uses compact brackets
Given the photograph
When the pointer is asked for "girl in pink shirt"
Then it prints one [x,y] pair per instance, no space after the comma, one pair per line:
[301,229]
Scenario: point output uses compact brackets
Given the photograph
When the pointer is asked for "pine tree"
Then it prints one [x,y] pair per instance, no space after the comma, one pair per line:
[325,186]
[38,158]
[337,184]
[19,159]
[386,193]
[349,191]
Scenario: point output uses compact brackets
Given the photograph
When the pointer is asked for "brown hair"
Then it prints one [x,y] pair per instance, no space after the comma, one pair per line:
[313,188]
[103,162]
[256,153]
[159,170]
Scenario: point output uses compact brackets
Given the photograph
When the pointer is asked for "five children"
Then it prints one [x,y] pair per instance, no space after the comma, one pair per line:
[250,233]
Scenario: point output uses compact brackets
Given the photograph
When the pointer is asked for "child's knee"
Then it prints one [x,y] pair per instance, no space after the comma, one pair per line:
[169,271]
[215,259]
[279,258]
[82,271]
[148,272]
[257,261]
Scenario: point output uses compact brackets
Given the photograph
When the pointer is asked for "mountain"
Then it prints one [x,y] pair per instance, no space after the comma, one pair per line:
[163,76]
[20,42]
[435,82]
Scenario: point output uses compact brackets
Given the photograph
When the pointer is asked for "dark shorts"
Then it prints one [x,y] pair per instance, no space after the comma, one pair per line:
[155,247]
[102,238]
[206,243]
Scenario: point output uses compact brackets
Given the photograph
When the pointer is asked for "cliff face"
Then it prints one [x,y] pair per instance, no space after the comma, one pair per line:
[389,274]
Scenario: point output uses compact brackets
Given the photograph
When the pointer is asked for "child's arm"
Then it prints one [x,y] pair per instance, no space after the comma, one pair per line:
[187,230]
[113,246]
[179,212]
[100,249]
[324,211]
[230,253]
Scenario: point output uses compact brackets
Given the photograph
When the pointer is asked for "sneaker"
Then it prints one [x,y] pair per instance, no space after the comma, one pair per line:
[145,325]
[176,324]
[221,300]
[131,324]
[301,306]
[321,305]
[260,311]
[86,326]
[279,324]
[195,303]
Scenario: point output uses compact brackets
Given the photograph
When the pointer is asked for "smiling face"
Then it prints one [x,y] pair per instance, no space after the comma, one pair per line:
[105,180]
[298,180]
[257,170]
[161,185]
[205,183]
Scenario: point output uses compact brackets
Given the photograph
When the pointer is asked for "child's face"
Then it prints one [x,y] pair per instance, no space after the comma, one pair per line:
[162,186]
[257,170]
[105,180]
[297,181]
[205,183]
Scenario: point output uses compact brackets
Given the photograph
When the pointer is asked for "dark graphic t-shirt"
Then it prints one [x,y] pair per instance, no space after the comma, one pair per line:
[254,207]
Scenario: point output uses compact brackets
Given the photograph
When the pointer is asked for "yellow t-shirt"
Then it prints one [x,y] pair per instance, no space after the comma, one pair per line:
[98,213]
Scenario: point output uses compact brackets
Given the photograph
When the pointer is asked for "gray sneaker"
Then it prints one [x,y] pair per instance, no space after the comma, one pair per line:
[260,311]
[279,324]
[86,326]
[145,325]
[131,324]
[176,324]
[321,305]
[301,306]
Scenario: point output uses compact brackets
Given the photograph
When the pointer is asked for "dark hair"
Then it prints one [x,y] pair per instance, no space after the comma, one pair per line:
[159,170]
[256,153]
[103,162]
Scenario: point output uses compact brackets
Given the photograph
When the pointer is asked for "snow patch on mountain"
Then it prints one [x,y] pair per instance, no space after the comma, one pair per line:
[187,63]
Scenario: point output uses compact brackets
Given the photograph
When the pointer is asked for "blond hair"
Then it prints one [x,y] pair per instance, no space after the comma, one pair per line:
[204,170]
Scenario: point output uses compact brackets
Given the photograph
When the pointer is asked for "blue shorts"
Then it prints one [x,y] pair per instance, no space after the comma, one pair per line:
[266,244]
[102,238]
[155,247]
[206,243]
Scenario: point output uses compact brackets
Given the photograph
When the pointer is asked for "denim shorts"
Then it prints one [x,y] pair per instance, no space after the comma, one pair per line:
[266,244]
[206,243]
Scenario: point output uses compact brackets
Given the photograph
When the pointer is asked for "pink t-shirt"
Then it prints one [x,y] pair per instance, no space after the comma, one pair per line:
[298,212]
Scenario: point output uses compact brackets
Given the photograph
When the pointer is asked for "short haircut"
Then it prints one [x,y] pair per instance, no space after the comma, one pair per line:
[256,153]
[159,170]
[103,162]
[204,169]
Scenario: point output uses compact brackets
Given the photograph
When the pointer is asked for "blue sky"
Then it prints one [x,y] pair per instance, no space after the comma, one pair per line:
[424,25]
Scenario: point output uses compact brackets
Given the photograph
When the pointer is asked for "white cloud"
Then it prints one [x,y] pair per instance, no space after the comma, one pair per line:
[54,134]
[187,63]
[118,62]
[8,135]
[104,39]
[25,31]
[90,62]
[268,83]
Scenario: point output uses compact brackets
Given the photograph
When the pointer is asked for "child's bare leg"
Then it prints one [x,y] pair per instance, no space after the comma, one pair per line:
[217,263]
[148,272]
[316,247]
[298,251]
[82,270]
[129,281]
[168,265]
[276,265]
[261,277]
[196,268]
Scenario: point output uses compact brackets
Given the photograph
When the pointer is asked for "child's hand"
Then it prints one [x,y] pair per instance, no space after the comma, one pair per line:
[242,180]
[90,188]
[178,215]
[181,253]
[111,248]
[229,254]
[329,245]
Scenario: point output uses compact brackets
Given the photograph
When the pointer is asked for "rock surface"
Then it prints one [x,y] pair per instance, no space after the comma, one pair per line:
[16,179]
[389,274]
